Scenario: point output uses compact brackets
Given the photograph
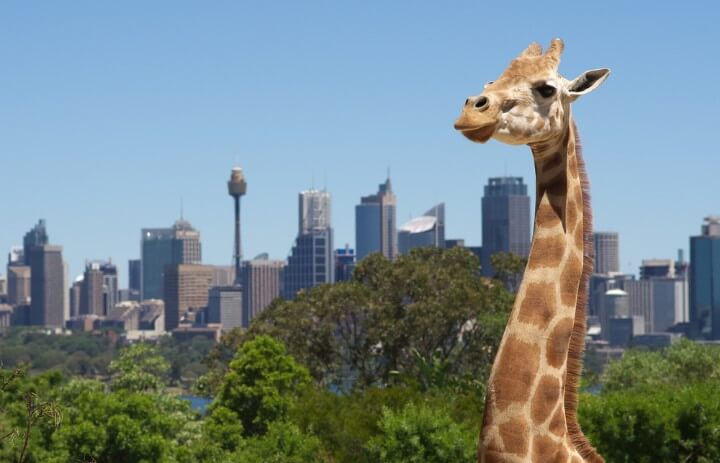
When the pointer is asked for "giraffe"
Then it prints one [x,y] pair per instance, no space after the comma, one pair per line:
[531,404]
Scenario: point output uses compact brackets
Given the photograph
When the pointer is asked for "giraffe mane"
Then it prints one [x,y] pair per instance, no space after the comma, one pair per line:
[577,337]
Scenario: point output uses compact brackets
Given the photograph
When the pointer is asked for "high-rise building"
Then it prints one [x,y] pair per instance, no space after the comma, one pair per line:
[37,236]
[345,263]
[426,230]
[186,288]
[135,276]
[225,307]
[311,261]
[262,283]
[607,252]
[47,304]
[705,281]
[16,256]
[98,289]
[91,291]
[76,295]
[18,291]
[3,289]
[505,219]
[179,244]
[375,223]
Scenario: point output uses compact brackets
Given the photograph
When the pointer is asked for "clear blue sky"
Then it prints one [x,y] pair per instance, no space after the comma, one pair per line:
[110,112]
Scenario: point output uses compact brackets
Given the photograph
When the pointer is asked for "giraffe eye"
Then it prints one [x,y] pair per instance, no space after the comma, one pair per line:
[546,91]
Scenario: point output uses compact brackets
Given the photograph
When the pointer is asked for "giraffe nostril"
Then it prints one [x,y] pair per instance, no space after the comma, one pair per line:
[467,101]
[481,102]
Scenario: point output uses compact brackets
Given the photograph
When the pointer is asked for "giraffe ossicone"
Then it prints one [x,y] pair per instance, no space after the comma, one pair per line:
[531,404]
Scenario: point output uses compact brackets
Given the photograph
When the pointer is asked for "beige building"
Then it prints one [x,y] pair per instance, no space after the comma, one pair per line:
[186,291]
[261,285]
[18,287]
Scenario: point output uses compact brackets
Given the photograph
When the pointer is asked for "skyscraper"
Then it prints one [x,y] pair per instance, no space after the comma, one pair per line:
[262,283]
[426,230]
[91,291]
[607,252]
[375,223]
[705,281]
[37,236]
[186,289]
[179,244]
[18,284]
[47,286]
[345,263]
[135,276]
[311,260]
[505,219]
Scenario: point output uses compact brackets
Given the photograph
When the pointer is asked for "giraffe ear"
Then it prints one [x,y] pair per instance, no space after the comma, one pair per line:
[587,82]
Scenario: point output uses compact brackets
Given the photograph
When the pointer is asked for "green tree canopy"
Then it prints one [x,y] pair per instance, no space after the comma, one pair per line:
[139,368]
[260,385]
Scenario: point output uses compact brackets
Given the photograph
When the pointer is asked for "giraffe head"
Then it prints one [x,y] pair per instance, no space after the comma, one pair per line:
[529,102]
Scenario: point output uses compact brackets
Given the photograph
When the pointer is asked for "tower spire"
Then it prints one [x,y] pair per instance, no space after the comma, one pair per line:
[237,186]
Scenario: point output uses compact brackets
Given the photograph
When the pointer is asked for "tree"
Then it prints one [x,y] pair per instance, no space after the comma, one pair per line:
[260,385]
[283,443]
[421,434]
[139,368]
[430,304]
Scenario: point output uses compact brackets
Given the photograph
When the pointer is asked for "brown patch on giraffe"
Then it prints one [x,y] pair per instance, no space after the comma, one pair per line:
[539,124]
[552,162]
[547,394]
[517,366]
[515,435]
[546,450]
[546,216]
[538,305]
[570,280]
[547,252]
[576,459]
[557,344]
[557,423]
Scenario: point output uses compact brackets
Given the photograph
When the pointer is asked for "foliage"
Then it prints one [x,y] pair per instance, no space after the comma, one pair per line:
[421,434]
[508,268]
[260,385]
[119,426]
[139,368]
[682,363]
[431,303]
[283,443]
[216,362]
[665,423]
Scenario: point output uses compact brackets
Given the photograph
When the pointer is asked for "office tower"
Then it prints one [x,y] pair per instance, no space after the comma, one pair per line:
[262,283]
[37,236]
[505,219]
[16,256]
[375,223]
[616,304]
[135,277]
[426,230]
[18,290]
[47,289]
[91,291]
[705,281]
[607,252]
[225,306]
[76,295]
[454,243]
[314,211]
[657,268]
[179,244]
[3,289]
[344,263]
[110,285]
[237,187]
[311,259]
[224,275]
[186,289]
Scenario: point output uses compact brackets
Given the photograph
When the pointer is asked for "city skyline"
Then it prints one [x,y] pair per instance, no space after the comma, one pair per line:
[119,116]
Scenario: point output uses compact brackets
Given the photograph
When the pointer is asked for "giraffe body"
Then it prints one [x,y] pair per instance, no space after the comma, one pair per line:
[531,402]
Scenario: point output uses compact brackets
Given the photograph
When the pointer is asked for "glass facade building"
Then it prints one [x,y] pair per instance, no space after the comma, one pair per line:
[705,281]
[505,219]
[376,223]
[426,230]
[311,261]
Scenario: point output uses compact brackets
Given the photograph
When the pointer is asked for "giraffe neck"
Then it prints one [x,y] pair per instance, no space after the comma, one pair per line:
[527,402]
